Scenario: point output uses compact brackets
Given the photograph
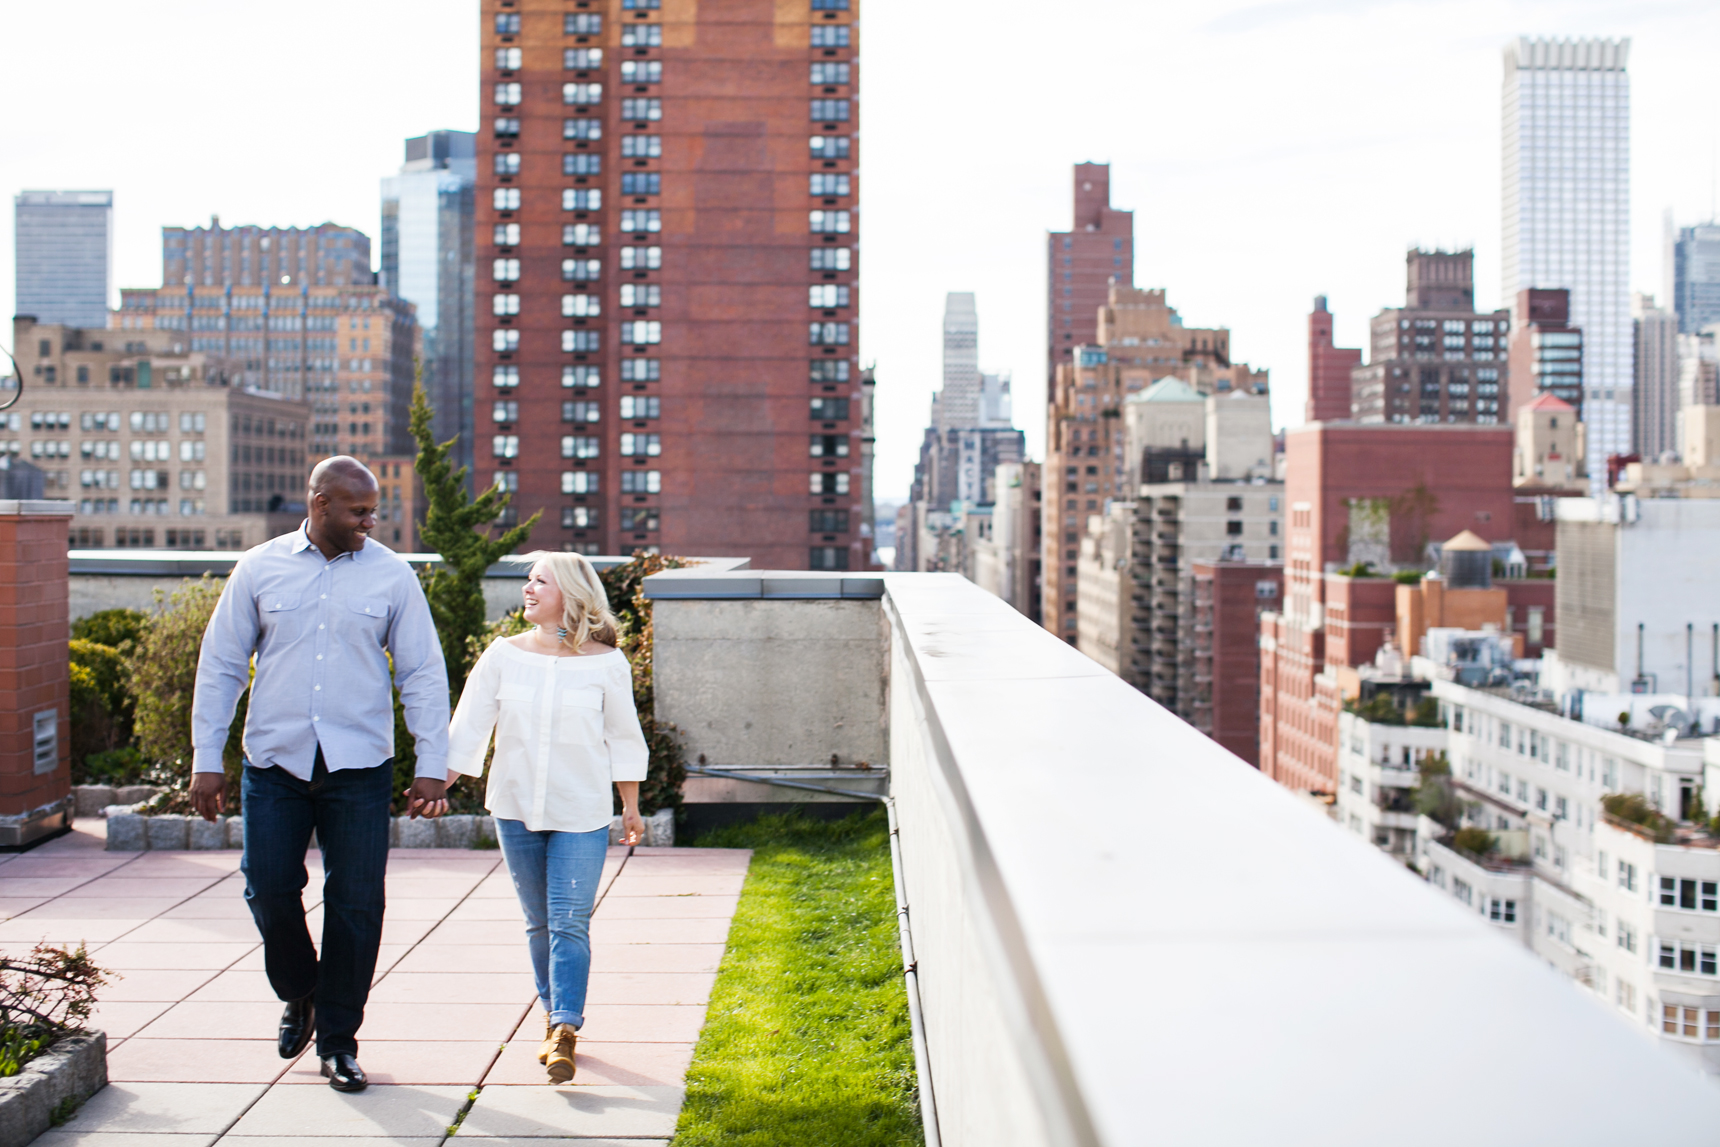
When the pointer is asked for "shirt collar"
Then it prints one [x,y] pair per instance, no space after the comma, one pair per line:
[302,542]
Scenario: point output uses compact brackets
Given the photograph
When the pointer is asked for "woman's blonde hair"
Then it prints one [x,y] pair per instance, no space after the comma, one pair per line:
[585,612]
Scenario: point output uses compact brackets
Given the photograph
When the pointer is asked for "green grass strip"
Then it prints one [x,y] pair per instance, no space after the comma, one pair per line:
[807,1038]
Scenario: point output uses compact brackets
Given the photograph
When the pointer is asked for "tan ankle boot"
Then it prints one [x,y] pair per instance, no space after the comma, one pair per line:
[548,1044]
[560,1061]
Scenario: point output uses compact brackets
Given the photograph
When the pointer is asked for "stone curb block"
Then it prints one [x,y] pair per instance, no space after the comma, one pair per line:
[127,831]
[93,800]
[659,829]
[74,1068]
[167,831]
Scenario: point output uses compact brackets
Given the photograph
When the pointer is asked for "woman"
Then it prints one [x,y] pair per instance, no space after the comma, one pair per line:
[560,699]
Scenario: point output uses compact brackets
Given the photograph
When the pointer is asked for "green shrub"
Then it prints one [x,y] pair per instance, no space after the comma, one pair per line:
[101,701]
[1427,713]
[1380,709]
[1360,569]
[1635,809]
[1476,842]
[43,996]
[1408,577]
[625,586]
[115,627]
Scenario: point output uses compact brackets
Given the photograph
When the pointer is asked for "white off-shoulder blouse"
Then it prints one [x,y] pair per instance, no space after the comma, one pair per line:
[565,728]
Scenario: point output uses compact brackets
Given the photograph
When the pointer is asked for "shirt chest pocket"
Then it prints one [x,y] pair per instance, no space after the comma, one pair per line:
[516,699]
[579,717]
[366,615]
[280,612]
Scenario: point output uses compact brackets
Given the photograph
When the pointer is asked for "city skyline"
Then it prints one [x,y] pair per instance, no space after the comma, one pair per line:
[1246,195]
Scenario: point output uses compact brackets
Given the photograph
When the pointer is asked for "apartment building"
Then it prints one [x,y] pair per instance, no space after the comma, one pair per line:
[1545,350]
[1139,340]
[1379,768]
[153,443]
[347,350]
[1329,369]
[667,218]
[1229,597]
[63,256]
[1436,359]
[327,255]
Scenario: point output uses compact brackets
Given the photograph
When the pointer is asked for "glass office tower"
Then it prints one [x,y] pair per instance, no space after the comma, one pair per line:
[427,260]
[64,256]
[1567,209]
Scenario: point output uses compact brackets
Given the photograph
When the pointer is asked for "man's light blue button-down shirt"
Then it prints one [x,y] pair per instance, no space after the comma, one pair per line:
[322,632]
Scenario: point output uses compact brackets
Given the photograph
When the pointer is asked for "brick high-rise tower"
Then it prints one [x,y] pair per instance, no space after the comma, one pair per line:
[666,227]
[1081,263]
[1329,368]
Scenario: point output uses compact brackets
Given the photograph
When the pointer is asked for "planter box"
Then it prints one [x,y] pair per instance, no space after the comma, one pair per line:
[74,1068]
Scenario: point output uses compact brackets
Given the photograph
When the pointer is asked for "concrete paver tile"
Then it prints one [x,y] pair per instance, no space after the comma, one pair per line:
[170,984]
[387,956]
[159,931]
[493,1023]
[32,929]
[482,912]
[129,887]
[655,957]
[234,986]
[331,1141]
[596,1063]
[42,887]
[223,905]
[494,888]
[69,1136]
[467,933]
[11,906]
[580,1141]
[428,887]
[606,930]
[420,909]
[141,1059]
[632,884]
[123,1019]
[396,930]
[651,987]
[643,1023]
[441,862]
[80,867]
[405,1110]
[102,907]
[506,1111]
[126,955]
[666,907]
[224,1020]
[407,1061]
[491,957]
[165,1108]
[454,987]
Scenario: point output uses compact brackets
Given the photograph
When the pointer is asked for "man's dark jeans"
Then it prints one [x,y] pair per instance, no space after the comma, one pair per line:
[349,811]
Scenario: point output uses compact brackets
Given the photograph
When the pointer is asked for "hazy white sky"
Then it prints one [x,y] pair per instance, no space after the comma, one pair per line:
[1271,151]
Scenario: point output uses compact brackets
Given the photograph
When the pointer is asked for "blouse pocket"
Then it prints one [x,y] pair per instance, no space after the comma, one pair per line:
[515,697]
[581,718]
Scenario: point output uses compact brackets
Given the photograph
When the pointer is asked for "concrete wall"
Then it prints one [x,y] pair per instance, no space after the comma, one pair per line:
[773,681]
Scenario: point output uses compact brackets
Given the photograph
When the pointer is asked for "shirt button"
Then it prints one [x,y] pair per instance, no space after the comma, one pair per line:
[319,657]
[322,627]
[325,597]
[316,718]
[319,688]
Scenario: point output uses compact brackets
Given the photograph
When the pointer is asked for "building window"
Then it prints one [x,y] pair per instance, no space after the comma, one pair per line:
[828,222]
[582,163]
[579,517]
[828,370]
[1690,895]
[505,410]
[581,198]
[584,59]
[505,305]
[642,108]
[581,270]
[640,370]
[581,235]
[507,235]
[830,258]
[507,163]
[506,270]
[506,199]
[507,93]
[641,146]
[640,406]
[824,183]
[1502,911]
[582,93]
[505,342]
[1233,529]
[639,518]
[507,23]
[830,36]
[823,146]
[827,295]
[641,183]
[829,522]
[508,481]
[828,558]
[581,24]
[641,221]
[828,482]
[641,445]
[642,35]
[828,111]
[1625,936]
[641,258]
[505,446]
[1627,876]
[828,446]
[827,334]
[580,446]
[581,306]
[641,71]
[579,482]
[580,410]
[641,481]
[1692,958]
[582,127]
[580,341]
[641,295]
[579,376]
[829,409]
[505,377]
[642,333]
[829,73]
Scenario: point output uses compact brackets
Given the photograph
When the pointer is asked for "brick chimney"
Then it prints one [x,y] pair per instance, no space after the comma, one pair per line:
[35,767]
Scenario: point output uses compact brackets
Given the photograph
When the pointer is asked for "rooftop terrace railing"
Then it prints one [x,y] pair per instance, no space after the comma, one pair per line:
[1124,933]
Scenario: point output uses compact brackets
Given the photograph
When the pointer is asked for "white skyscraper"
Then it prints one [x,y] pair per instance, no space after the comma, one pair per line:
[957,404]
[1567,209]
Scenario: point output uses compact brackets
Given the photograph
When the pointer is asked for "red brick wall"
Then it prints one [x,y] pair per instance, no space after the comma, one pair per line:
[1329,369]
[1359,614]
[1237,679]
[33,674]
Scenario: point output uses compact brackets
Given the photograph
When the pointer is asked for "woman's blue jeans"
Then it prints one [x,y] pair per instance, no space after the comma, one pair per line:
[556,875]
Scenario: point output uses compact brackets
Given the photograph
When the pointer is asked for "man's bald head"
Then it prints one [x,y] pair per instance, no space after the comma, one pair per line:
[342,472]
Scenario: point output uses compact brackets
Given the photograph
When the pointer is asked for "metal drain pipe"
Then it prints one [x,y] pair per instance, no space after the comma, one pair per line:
[911,978]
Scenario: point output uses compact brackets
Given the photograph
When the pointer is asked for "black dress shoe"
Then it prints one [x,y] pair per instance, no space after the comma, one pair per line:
[343,1072]
[298,1024]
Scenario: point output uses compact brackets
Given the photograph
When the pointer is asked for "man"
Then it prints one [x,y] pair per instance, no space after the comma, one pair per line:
[322,609]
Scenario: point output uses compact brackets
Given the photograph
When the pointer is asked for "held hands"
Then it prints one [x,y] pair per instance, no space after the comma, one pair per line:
[428,797]
[208,794]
